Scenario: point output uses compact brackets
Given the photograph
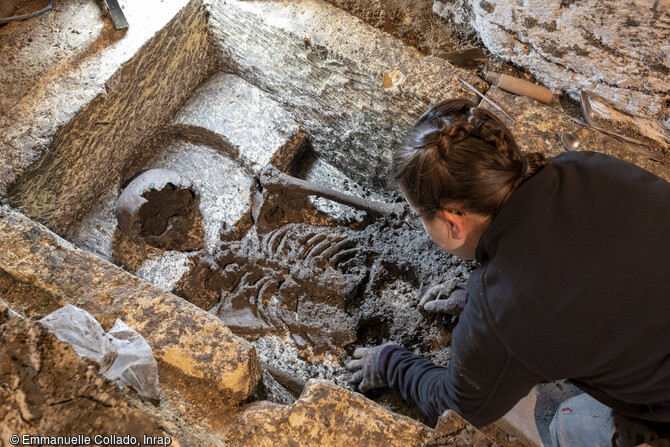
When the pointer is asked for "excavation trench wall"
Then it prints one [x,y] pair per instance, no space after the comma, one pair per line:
[104,140]
[355,101]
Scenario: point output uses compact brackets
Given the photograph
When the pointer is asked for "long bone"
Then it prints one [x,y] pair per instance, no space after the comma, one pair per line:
[281,182]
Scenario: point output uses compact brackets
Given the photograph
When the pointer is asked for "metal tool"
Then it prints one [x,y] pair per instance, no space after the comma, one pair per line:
[590,121]
[497,107]
[570,142]
[278,199]
[587,111]
[632,142]
[616,135]
[116,12]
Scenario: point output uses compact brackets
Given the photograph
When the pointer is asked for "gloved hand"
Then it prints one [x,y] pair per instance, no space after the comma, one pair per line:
[447,298]
[365,370]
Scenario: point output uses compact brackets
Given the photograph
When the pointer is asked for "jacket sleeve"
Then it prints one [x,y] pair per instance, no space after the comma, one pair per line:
[481,383]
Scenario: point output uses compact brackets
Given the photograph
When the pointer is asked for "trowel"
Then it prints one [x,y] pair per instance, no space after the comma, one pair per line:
[475,57]
[116,12]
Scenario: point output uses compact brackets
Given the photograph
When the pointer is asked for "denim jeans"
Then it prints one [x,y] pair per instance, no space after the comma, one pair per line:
[582,421]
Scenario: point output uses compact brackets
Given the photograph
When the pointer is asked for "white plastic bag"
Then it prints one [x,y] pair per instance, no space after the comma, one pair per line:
[123,355]
[135,364]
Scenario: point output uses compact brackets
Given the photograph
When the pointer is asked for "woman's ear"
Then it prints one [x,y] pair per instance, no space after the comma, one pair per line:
[456,223]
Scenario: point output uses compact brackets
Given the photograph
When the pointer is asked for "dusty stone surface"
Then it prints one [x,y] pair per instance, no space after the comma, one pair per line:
[539,128]
[49,391]
[60,90]
[199,155]
[619,51]
[243,114]
[413,22]
[220,137]
[76,41]
[144,94]
[453,430]
[326,415]
[40,303]
[7,9]
[329,69]
[214,364]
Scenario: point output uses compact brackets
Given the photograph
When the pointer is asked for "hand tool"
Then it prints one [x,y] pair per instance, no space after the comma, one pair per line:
[46,9]
[117,14]
[570,142]
[467,58]
[519,86]
[284,182]
[481,95]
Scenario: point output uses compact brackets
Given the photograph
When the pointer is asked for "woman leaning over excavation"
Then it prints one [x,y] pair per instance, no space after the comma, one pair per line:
[572,283]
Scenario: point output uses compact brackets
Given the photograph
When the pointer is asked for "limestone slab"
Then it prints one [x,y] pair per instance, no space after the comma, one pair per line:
[453,430]
[57,63]
[243,114]
[326,415]
[355,90]
[215,365]
[106,136]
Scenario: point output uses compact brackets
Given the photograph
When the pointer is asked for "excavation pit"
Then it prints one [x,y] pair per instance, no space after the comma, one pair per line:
[176,180]
[229,96]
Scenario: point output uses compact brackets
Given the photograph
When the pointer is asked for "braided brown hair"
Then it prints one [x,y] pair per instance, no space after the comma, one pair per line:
[460,154]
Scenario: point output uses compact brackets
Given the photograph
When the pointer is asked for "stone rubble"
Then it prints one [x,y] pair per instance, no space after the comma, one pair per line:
[217,365]
[49,391]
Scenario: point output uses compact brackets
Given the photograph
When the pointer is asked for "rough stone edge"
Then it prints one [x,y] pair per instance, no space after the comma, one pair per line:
[182,336]
[306,409]
[24,141]
[452,429]
[114,122]
[109,399]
